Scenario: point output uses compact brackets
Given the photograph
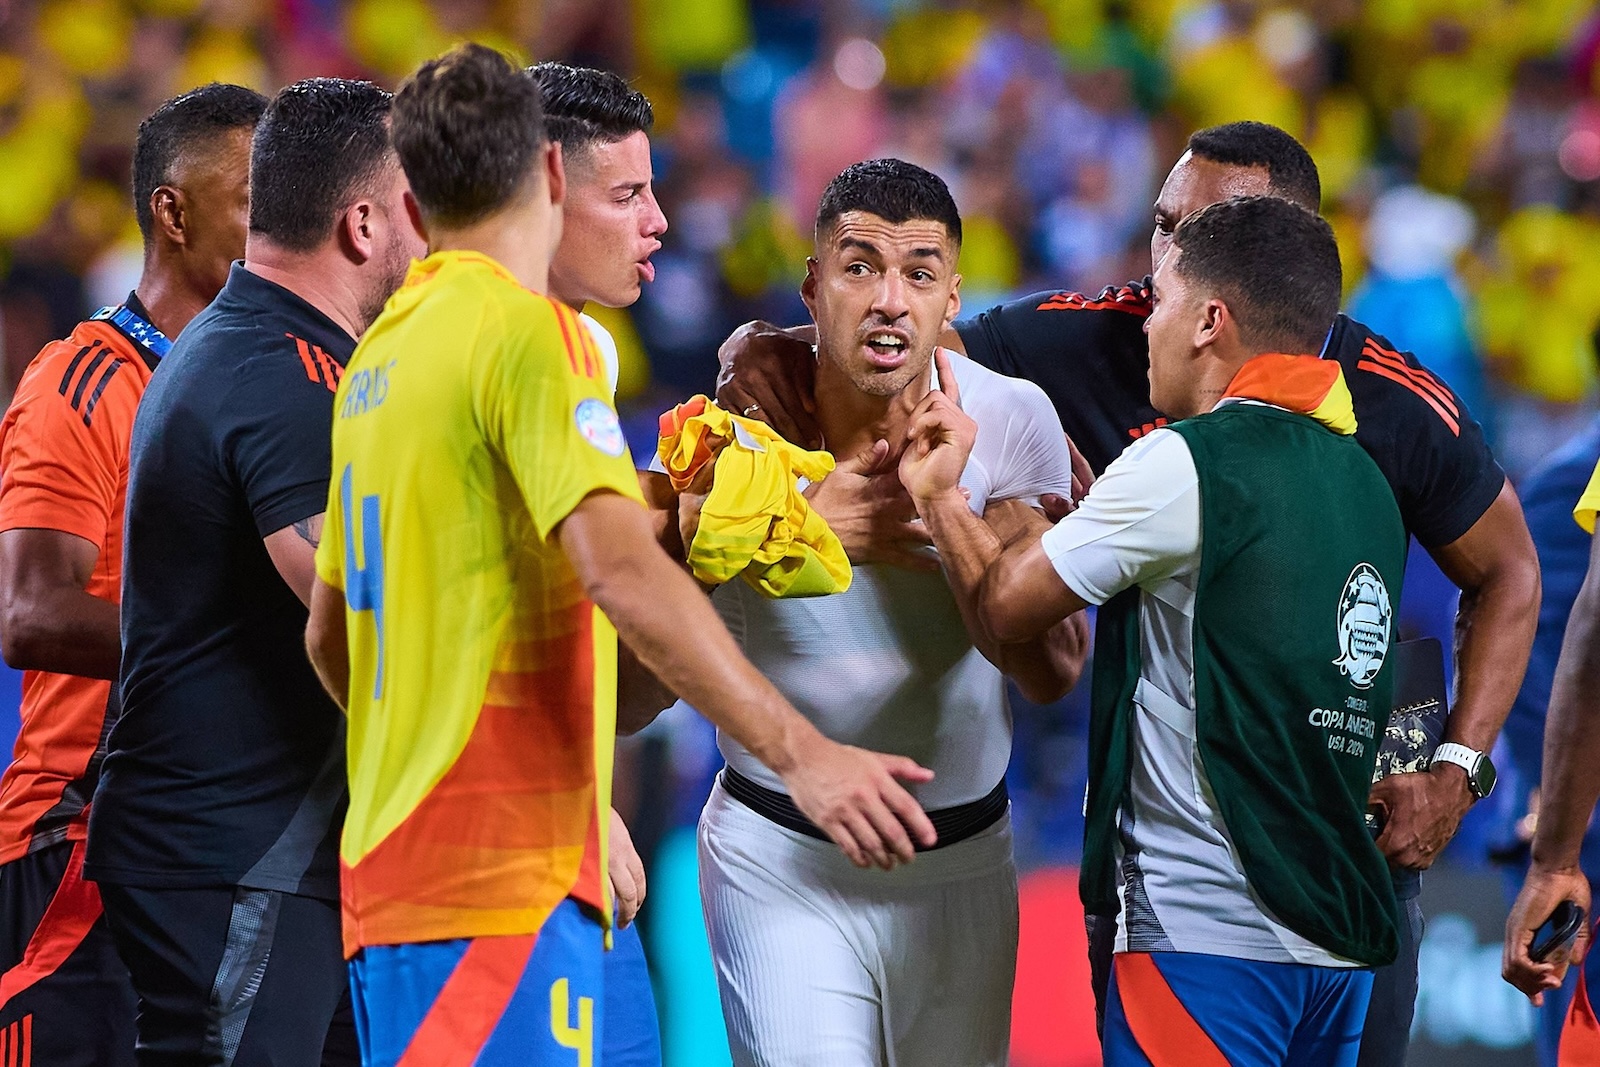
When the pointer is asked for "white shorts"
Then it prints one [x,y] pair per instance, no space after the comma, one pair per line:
[823,964]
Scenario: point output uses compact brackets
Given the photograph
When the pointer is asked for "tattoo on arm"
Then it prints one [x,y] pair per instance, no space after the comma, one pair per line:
[310,530]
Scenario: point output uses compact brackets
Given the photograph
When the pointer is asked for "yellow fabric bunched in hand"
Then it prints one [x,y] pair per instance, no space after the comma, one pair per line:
[755,522]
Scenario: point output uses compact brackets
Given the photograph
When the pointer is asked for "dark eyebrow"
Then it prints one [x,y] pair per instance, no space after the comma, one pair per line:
[928,253]
[864,245]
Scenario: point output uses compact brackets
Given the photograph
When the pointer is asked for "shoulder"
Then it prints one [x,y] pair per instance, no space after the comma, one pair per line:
[1067,310]
[554,336]
[1159,464]
[1130,299]
[1388,384]
[93,377]
[989,394]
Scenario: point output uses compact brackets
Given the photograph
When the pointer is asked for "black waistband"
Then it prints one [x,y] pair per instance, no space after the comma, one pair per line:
[952,824]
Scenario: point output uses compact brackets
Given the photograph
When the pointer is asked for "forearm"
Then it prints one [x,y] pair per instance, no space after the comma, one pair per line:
[640,695]
[328,642]
[662,502]
[63,630]
[1496,567]
[671,626]
[1495,624]
[1571,774]
[1044,666]
[662,615]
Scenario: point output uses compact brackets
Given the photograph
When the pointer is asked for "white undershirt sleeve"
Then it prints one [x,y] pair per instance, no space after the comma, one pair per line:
[1140,522]
[1034,458]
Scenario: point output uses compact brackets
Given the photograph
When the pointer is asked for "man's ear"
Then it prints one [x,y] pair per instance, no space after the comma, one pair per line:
[414,213]
[169,211]
[1215,320]
[808,287]
[357,235]
[556,173]
[952,309]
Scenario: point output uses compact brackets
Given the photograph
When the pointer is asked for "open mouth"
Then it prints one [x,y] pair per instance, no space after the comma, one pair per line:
[647,270]
[887,348]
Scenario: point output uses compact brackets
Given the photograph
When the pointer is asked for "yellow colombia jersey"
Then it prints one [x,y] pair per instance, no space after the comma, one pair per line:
[471,420]
[1589,503]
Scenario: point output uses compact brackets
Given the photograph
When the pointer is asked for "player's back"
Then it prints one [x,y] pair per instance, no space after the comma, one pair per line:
[482,679]
[64,466]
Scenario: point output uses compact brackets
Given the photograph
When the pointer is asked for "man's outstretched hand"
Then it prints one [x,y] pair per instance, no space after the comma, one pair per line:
[768,374]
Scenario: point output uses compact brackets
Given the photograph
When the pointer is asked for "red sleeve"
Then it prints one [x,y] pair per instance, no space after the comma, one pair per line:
[64,440]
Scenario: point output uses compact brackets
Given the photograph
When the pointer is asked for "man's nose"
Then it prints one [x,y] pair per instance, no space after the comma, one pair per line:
[655,220]
[891,300]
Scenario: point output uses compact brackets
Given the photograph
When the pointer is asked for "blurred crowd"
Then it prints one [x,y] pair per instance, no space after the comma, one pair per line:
[1459,143]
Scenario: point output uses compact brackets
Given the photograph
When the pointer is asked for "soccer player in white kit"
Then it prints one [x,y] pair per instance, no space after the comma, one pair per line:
[820,962]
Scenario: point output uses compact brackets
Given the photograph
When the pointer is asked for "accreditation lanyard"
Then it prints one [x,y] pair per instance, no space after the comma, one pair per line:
[138,330]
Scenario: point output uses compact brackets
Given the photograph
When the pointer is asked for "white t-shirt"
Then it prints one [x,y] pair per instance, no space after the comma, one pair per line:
[608,351]
[1182,886]
[888,664]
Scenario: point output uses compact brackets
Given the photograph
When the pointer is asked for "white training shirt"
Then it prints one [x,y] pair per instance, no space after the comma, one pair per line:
[1182,886]
[888,664]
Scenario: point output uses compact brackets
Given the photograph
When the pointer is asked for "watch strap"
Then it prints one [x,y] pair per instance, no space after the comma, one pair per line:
[1468,759]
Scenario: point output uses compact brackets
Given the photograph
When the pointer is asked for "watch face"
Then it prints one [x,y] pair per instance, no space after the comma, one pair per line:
[1483,777]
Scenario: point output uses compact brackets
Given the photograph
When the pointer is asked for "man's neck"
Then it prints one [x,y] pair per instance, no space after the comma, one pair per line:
[518,239]
[1221,365]
[169,296]
[323,278]
[851,420]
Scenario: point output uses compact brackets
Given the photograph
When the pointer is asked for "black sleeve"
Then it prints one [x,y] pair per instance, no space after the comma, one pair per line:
[279,441]
[1424,439]
[1088,354]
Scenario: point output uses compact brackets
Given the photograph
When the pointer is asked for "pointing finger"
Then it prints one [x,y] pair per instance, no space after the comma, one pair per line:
[947,377]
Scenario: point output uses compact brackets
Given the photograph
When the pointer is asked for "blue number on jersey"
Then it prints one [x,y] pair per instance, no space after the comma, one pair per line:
[363,586]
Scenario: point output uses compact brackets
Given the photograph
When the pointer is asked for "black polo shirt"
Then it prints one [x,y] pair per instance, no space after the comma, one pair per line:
[226,766]
[1090,356]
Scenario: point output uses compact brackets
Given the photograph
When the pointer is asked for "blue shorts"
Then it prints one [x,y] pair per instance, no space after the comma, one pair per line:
[529,1001]
[632,1032]
[1166,1009]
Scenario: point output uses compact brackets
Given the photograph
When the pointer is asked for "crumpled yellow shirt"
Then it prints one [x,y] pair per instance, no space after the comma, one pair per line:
[755,522]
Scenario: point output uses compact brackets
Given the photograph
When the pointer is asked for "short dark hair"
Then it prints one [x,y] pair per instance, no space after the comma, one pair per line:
[1291,172]
[1275,264]
[191,121]
[468,128]
[320,145]
[892,189]
[584,106]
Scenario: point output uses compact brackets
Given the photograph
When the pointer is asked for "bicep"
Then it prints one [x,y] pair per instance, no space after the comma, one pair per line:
[294,553]
[1432,451]
[1496,543]
[1036,458]
[278,448]
[1140,525]
[37,560]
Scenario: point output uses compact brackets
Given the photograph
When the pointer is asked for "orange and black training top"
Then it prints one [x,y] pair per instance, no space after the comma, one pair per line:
[64,466]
